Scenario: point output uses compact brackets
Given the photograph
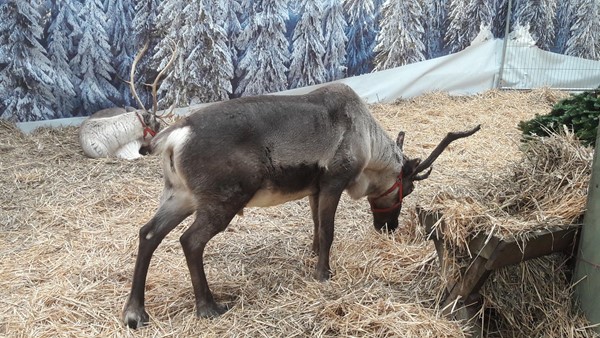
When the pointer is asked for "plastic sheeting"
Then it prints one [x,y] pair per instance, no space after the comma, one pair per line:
[469,71]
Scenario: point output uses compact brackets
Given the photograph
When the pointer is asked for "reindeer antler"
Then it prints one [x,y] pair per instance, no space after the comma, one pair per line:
[450,137]
[131,82]
[157,79]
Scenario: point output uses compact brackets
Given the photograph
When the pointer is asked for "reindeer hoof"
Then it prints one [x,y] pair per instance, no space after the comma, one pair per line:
[322,276]
[135,318]
[212,310]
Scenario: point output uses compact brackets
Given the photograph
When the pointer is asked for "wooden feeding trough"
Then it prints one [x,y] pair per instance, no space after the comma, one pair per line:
[462,299]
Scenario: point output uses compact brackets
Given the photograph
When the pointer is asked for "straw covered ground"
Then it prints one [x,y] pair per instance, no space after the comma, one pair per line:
[69,224]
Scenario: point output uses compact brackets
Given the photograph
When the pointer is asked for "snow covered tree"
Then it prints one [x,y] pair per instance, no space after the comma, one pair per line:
[211,54]
[203,69]
[119,30]
[61,48]
[92,64]
[434,24]
[232,26]
[361,35]
[306,67]
[145,29]
[144,25]
[263,64]
[564,20]
[400,40]
[585,31]
[335,40]
[457,26]
[499,21]
[232,11]
[26,74]
[539,15]
[466,17]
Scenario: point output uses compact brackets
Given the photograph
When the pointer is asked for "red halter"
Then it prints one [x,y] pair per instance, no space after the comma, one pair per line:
[147,130]
[397,185]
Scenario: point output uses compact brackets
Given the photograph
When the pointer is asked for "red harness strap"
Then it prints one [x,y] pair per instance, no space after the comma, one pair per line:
[397,185]
[147,130]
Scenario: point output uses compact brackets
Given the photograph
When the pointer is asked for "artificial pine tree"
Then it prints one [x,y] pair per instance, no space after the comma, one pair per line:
[306,67]
[61,49]
[400,40]
[361,35]
[264,61]
[334,28]
[26,75]
[92,63]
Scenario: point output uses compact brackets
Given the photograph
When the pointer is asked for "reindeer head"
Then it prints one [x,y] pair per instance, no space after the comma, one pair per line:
[387,206]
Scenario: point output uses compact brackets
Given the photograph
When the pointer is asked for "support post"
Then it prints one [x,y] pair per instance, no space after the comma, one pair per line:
[504,44]
[587,269]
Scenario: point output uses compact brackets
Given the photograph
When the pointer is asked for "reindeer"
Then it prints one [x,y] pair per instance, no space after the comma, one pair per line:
[266,150]
[123,132]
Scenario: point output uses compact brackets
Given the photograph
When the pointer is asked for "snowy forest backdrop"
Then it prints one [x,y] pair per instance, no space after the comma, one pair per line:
[64,58]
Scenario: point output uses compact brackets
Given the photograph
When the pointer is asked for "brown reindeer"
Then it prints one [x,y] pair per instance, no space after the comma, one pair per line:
[267,150]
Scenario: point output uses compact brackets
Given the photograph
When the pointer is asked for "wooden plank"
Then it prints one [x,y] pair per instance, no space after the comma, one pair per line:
[470,283]
[544,243]
[484,245]
[462,299]
[428,219]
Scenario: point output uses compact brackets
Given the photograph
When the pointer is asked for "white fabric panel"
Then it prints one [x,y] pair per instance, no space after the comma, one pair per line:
[469,71]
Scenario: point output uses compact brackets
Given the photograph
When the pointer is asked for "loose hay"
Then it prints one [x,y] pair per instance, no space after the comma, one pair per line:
[68,239]
[546,188]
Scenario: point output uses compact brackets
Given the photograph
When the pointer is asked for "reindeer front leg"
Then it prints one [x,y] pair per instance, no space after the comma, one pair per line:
[328,200]
[314,209]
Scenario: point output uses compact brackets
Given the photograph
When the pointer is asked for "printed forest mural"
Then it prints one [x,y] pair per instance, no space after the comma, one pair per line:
[64,58]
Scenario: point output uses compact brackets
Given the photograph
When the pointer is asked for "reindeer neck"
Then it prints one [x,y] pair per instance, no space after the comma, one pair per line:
[382,168]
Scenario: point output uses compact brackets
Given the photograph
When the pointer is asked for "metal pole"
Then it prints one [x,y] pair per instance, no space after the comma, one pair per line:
[587,270]
[506,32]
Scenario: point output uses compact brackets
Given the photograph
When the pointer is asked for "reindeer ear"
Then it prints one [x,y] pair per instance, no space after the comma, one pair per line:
[400,139]
[409,166]
[147,119]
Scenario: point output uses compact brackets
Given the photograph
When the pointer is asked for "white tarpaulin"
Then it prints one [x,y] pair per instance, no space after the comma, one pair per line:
[470,71]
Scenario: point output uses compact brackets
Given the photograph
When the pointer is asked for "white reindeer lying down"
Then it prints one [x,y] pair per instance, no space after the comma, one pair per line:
[118,132]
[123,132]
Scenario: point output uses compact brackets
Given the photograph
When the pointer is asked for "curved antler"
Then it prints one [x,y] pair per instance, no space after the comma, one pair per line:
[452,136]
[137,59]
[155,83]
[423,176]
